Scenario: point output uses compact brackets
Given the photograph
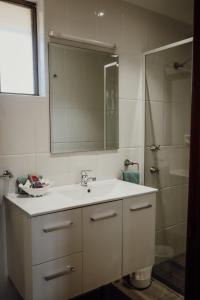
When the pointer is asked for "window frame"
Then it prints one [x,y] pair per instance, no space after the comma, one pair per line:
[33,7]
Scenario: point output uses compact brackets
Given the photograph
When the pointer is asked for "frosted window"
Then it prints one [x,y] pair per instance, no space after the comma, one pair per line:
[16,50]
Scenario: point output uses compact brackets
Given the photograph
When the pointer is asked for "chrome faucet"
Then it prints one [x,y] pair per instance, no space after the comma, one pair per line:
[85,177]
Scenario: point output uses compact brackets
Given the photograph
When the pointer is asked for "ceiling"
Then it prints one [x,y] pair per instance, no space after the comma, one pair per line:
[181,10]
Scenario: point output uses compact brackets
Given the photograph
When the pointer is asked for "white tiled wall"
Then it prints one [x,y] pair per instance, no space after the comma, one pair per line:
[24,120]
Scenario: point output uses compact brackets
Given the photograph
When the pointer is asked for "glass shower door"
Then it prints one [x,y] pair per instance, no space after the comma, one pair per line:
[167,145]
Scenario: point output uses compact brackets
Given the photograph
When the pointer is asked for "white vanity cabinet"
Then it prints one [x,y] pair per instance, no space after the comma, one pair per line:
[45,253]
[60,253]
[102,244]
[138,233]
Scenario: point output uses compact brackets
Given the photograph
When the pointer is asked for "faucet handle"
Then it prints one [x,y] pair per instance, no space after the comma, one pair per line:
[154,147]
[84,177]
[154,170]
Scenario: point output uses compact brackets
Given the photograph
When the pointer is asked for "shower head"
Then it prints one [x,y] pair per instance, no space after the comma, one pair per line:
[179,69]
[178,65]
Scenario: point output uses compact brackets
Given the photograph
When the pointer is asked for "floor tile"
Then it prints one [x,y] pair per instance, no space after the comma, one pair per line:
[8,291]
[172,273]
[156,291]
[115,291]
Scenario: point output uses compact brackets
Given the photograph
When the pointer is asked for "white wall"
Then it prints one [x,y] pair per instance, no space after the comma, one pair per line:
[181,10]
[24,120]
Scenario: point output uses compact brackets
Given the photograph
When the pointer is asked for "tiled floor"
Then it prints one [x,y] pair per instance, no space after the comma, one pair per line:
[157,291]
[117,291]
[180,260]
[8,291]
[109,292]
[172,273]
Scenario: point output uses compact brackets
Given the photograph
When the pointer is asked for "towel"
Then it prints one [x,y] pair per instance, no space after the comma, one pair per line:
[131,176]
[21,180]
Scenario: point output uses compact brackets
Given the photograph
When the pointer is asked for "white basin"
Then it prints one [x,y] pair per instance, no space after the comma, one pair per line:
[101,190]
[74,196]
[97,189]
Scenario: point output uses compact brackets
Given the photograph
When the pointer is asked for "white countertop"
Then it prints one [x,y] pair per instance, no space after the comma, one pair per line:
[74,196]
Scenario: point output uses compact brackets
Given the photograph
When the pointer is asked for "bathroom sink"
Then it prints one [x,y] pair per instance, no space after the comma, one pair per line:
[102,190]
[74,196]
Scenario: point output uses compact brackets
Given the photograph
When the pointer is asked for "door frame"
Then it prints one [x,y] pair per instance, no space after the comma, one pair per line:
[192,287]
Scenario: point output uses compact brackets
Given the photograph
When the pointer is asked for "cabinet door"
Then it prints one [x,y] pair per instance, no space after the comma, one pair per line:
[138,232]
[59,279]
[102,244]
[56,235]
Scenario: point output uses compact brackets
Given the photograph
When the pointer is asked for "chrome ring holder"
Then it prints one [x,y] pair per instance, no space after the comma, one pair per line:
[128,163]
[6,175]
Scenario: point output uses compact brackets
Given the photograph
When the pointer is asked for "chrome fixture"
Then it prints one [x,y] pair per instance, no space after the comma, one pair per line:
[154,147]
[85,177]
[178,65]
[128,163]
[154,170]
[67,270]
[6,175]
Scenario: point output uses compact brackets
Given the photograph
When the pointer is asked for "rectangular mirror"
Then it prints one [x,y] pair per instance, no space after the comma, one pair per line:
[83,99]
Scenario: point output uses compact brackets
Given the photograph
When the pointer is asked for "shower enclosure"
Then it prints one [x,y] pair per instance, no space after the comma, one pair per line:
[167,143]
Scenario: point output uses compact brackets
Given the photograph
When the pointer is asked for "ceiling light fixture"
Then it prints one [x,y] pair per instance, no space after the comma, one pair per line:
[100,14]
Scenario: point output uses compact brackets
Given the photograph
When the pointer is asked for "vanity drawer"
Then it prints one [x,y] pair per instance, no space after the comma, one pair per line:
[138,232]
[59,279]
[56,235]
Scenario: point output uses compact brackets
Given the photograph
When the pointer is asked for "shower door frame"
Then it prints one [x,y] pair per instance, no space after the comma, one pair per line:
[157,50]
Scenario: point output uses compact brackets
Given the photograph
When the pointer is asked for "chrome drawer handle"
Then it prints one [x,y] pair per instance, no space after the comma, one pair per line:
[103,216]
[68,270]
[58,227]
[136,208]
